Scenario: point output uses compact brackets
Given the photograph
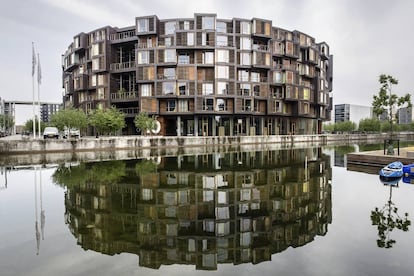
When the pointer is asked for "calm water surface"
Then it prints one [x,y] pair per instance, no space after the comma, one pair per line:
[290,212]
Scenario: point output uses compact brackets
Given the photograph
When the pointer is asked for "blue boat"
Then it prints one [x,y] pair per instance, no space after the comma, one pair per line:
[390,181]
[408,170]
[392,170]
[408,179]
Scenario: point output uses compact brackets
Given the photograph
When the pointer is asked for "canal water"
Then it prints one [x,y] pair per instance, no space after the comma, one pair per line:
[279,212]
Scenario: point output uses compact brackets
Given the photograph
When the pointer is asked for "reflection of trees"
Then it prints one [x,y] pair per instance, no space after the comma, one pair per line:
[386,220]
[342,150]
[103,173]
[205,209]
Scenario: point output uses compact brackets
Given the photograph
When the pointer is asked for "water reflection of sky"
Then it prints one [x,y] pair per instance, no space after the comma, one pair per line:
[348,248]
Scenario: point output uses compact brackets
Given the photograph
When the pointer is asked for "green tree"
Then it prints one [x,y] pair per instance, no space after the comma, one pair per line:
[328,127]
[70,118]
[386,101]
[144,122]
[107,121]
[6,121]
[28,125]
[387,219]
[369,125]
[346,126]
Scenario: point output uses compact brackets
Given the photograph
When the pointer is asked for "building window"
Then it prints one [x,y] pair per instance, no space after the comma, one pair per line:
[208,104]
[147,194]
[170,55]
[221,105]
[207,89]
[186,25]
[223,56]
[247,105]
[168,88]
[169,73]
[243,75]
[256,90]
[143,57]
[222,41]
[245,89]
[207,39]
[207,23]
[183,59]
[208,58]
[222,88]
[245,43]
[245,28]
[182,105]
[171,105]
[183,88]
[101,79]
[306,94]
[169,28]
[143,25]
[221,27]
[255,77]
[277,77]
[277,106]
[168,41]
[100,93]
[146,90]
[245,59]
[190,39]
[222,72]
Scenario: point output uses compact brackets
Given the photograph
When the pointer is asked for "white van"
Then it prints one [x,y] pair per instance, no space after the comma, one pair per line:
[73,132]
[51,132]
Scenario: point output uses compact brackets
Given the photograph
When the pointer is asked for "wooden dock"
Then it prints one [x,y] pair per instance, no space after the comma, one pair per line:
[377,158]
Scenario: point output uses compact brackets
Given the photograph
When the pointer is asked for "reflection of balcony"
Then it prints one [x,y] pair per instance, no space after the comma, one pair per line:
[129,111]
[178,214]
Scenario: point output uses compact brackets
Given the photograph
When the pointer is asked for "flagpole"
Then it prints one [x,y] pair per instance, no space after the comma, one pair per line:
[33,90]
[39,76]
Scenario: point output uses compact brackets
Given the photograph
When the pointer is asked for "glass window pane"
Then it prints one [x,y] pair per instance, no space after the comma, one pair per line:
[169,27]
[223,56]
[207,22]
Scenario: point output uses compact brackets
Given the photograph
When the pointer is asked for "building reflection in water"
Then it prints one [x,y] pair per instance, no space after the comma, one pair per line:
[202,210]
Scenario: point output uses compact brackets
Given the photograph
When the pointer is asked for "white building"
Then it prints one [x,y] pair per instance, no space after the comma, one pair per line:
[405,115]
[353,113]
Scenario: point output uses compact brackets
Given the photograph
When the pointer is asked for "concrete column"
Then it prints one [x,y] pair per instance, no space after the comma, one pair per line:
[178,125]
[231,127]
[213,125]
[195,125]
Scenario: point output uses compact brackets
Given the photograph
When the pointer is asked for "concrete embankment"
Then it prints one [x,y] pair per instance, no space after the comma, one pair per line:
[103,148]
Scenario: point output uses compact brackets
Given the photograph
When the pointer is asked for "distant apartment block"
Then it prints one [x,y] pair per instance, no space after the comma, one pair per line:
[203,76]
[405,115]
[47,110]
[353,113]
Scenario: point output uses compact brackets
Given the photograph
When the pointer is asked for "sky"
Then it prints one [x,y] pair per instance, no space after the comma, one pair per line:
[366,37]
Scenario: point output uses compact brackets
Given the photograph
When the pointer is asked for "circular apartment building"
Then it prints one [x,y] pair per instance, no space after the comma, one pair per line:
[203,76]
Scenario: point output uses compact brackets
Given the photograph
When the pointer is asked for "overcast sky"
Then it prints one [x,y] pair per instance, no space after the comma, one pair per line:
[366,37]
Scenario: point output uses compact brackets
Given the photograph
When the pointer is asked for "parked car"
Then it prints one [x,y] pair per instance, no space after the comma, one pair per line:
[51,132]
[69,133]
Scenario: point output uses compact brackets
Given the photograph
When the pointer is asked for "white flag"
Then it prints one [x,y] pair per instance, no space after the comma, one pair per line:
[33,60]
[39,72]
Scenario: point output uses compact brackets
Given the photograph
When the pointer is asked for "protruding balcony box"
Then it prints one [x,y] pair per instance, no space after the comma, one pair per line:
[146,25]
[124,96]
[123,35]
